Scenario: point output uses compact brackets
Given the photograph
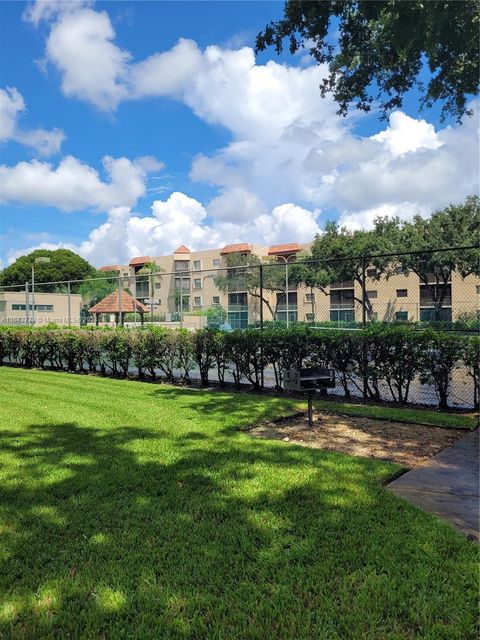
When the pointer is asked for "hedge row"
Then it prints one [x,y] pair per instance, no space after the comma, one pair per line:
[395,356]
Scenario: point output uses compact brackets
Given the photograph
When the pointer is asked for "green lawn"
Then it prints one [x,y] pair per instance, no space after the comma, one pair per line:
[131,510]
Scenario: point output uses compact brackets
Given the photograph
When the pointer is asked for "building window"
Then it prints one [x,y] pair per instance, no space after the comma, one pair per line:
[371,273]
[309,317]
[158,285]
[182,265]
[342,298]
[3,305]
[309,297]
[401,316]
[237,310]
[216,262]
[372,294]
[239,299]
[216,300]
[197,283]
[402,293]
[430,314]
[38,307]
[197,301]
[185,283]
[142,287]
[478,288]
[342,315]
[197,265]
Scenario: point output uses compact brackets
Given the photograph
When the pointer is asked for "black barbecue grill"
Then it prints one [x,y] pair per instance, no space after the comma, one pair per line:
[309,380]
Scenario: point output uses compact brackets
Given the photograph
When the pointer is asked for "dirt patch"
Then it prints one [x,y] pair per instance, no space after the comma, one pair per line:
[405,444]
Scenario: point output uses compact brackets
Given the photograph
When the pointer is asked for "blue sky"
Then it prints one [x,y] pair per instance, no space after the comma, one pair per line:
[206,144]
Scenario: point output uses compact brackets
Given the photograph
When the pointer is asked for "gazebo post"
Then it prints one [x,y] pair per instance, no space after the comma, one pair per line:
[116,318]
[121,318]
[97,316]
[141,319]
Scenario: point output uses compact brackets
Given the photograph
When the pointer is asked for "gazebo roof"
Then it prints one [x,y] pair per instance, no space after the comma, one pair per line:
[110,304]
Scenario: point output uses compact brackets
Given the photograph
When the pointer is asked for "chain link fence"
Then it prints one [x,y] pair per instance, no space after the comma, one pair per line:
[430,289]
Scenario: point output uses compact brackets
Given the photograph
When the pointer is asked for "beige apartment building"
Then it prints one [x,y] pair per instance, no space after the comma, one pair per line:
[186,286]
[16,307]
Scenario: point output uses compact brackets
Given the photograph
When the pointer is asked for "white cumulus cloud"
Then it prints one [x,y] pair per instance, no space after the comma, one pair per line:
[12,105]
[289,156]
[73,185]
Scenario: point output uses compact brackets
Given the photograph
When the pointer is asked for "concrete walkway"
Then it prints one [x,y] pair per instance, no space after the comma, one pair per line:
[447,485]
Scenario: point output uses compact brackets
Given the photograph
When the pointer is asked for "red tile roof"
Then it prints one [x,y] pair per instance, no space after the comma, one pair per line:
[280,249]
[236,248]
[110,304]
[139,260]
[111,267]
[182,249]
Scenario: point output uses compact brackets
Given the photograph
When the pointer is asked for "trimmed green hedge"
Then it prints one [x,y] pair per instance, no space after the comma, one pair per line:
[394,356]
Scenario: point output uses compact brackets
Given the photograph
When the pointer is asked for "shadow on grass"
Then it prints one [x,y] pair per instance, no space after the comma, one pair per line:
[130,532]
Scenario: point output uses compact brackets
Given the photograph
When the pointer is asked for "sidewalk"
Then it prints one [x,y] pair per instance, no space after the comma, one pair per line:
[447,485]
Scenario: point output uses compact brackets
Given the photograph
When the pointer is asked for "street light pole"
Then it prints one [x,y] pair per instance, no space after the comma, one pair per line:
[33,292]
[40,260]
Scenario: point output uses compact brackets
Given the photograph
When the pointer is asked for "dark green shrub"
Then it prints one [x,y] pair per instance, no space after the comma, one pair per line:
[204,351]
[398,356]
[440,357]
[117,350]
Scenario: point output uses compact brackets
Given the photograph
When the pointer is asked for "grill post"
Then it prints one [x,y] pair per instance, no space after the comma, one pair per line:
[310,408]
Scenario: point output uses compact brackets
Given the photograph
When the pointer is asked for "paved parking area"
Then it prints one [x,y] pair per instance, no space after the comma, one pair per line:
[447,485]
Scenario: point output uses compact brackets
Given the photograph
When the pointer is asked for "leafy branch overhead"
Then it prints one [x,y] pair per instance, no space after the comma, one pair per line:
[378,50]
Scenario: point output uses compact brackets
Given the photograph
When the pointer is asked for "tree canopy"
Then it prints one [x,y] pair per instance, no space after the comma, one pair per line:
[99,287]
[340,251]
[64,265]
[382,48]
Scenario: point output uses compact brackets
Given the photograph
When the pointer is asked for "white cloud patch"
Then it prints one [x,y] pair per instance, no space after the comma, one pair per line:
[73,185]
[12,105]
[406,134]
[290,155]
[92,67]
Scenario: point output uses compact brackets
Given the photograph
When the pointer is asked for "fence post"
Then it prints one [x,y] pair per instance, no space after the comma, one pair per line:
[69,304]
[364,293]
[27,304]
[119,317]
[364,322]
[261,296]
[261,326]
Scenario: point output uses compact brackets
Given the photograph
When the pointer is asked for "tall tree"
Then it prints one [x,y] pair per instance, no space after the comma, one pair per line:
[456,225]
[381,49]
[64,265]
[341,253]
[100,285]
[242,274]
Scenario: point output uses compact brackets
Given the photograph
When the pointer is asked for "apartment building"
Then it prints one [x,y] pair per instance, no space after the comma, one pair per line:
[17,307]
[185,283]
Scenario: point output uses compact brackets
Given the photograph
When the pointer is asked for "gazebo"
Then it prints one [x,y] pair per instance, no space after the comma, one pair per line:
[119,305]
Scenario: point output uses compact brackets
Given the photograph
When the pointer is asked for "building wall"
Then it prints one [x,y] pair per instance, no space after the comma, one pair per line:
[49,307]
[396,298]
